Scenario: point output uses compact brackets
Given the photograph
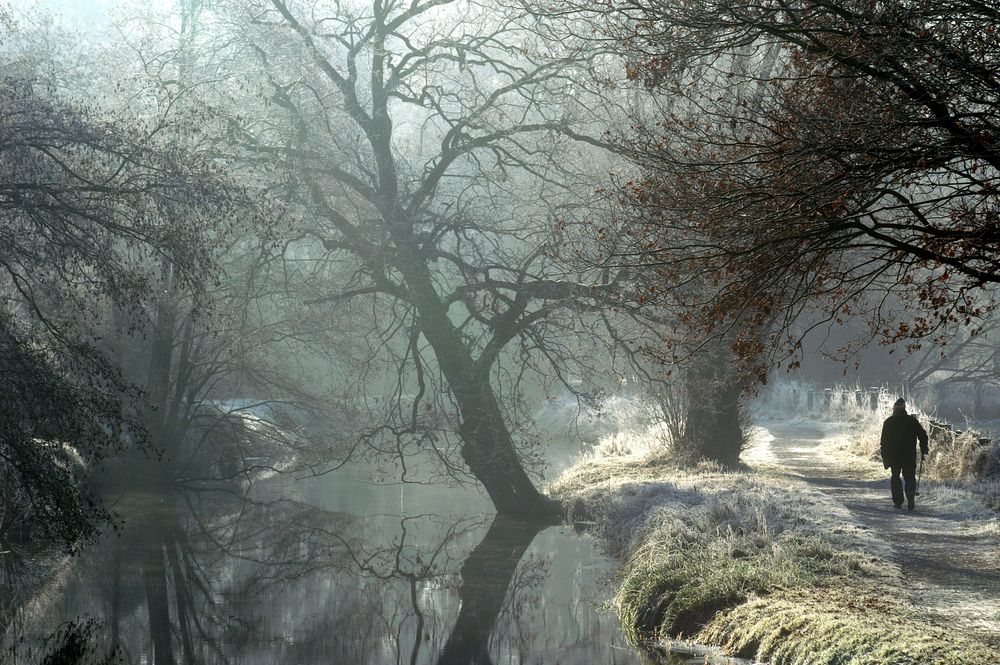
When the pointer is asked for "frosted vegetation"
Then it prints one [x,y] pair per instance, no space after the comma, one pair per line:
[751,559]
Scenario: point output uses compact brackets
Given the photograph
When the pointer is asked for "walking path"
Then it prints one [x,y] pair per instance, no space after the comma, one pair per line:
[950,558]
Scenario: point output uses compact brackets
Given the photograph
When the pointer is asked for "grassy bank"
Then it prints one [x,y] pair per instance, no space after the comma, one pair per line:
[757,564]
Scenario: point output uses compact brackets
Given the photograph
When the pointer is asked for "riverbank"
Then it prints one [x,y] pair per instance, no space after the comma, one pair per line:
[757,562]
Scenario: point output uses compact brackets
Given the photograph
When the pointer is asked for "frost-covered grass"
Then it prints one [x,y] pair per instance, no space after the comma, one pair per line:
[618,425]
[845,625]
[756,563]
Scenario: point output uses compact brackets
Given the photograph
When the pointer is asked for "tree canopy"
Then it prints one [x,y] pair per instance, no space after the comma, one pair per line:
[818,155]
[90,206]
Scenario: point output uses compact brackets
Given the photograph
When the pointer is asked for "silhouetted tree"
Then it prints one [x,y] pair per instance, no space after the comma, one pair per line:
[427,145]
[818,154]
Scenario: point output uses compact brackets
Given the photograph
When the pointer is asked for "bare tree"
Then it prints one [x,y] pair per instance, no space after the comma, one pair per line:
[431,147]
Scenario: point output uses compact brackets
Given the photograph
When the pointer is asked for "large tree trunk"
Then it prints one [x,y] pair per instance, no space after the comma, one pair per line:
[712,427]
[488,448]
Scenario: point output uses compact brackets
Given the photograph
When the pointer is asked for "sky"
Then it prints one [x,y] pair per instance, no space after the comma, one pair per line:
[83,12]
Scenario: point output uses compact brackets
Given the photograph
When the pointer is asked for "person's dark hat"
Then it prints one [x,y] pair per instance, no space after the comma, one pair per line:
[900,402]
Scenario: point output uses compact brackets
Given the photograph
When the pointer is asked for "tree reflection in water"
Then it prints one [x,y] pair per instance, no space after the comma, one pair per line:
[486,577]
[200,577]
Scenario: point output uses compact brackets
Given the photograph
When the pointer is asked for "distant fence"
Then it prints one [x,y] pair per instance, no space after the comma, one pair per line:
[851,403]
[809,399]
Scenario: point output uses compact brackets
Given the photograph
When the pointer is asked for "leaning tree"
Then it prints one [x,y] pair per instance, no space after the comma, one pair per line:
[432,148]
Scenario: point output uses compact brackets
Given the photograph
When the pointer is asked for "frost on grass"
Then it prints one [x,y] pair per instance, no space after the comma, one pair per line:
[696,541]
[849,625]
[758,564]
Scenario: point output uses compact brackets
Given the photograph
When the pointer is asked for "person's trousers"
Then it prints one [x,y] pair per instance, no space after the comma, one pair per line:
[907,484]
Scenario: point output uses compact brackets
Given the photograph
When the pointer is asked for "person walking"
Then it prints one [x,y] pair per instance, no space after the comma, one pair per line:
[900,433]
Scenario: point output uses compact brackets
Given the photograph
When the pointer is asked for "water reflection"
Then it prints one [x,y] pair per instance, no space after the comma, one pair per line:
[223,560]
[486,577]
[277,572]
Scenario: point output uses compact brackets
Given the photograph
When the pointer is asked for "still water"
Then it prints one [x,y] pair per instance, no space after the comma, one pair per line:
[330,569]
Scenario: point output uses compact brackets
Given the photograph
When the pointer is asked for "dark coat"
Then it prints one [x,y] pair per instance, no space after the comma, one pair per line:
[900,433]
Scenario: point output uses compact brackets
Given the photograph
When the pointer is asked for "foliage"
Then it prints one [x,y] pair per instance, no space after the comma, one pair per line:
[75,642]
[40,413]
[91,205]
[840,155]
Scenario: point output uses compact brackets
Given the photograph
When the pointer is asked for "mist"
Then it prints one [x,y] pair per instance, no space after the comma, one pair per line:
[461,331]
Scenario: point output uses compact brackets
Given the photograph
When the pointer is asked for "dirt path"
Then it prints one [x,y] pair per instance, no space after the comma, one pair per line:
[951,561]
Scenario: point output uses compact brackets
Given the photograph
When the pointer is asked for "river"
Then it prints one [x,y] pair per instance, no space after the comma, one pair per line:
[330,569]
